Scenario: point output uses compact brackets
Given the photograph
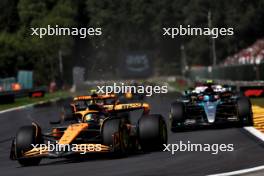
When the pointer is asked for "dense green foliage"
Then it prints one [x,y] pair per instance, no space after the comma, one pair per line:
[126,25]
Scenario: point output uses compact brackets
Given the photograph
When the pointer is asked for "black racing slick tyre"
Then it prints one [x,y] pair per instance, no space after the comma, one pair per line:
[152,132]
[25,137]
[176,115]
[244,110]
[115,134]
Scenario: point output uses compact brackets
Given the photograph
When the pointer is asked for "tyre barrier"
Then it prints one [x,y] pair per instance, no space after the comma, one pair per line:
[7,97]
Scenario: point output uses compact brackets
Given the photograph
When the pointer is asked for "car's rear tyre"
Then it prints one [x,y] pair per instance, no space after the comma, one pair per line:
[152,132]
[115,134]
[244,110]
[25,137]
[176,115]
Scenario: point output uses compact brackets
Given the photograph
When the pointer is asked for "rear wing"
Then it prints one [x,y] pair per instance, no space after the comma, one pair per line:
[128,107]
[95,97]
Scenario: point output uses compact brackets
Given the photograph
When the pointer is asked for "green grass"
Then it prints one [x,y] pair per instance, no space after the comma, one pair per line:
[178,87]
[257,101]
[28,100]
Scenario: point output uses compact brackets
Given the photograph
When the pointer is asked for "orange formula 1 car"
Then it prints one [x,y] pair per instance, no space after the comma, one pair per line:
[96,128]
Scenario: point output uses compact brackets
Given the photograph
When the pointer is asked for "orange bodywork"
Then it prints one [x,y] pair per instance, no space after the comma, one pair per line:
[72,132]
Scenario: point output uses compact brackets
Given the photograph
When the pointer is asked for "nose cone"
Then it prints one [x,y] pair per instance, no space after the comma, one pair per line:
[210,111]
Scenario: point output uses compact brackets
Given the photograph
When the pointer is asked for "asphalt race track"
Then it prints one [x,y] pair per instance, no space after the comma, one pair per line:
[248,152]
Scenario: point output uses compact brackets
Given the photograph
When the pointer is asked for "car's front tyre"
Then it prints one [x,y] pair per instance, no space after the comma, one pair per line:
[176,116]
[152,132]
[244,111]
[115,134]
[25,137]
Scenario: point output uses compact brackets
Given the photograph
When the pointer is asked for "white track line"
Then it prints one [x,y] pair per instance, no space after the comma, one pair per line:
[239,172]
[260,136]
[28,105]
[255,133]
